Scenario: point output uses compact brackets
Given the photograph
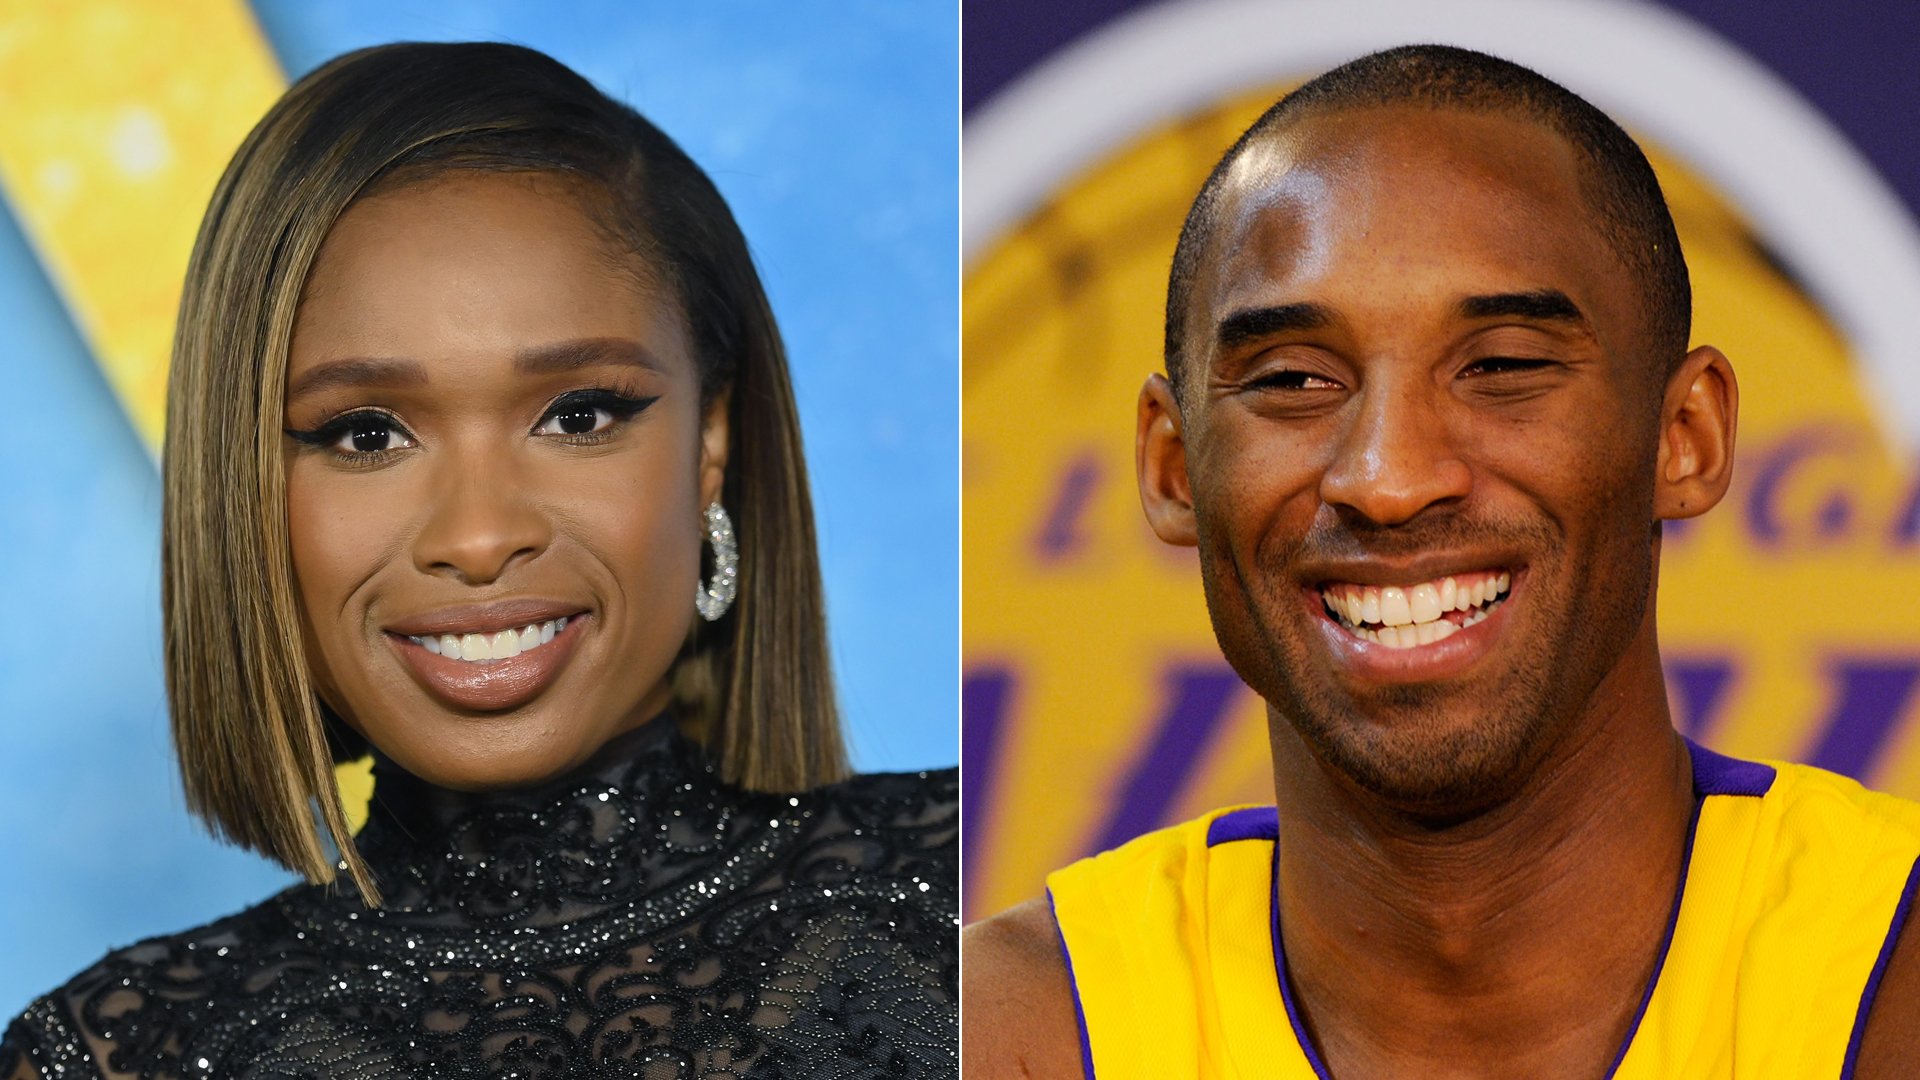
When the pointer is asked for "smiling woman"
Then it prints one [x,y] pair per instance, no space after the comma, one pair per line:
[482,455]
[500,428]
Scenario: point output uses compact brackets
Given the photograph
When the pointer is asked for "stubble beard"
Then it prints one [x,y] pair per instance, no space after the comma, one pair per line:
[1438,752]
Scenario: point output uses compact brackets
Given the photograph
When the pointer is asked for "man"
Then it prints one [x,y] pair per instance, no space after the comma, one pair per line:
[1428,399]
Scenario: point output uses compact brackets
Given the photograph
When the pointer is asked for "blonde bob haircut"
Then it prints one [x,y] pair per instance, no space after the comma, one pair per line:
[256,745]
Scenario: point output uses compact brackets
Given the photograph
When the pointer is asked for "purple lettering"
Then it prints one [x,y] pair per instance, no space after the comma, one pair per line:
[1697,686]
[1874,693]
[985,693]
[1778,463]
[1906,527]
[1062,532]
[1199,696]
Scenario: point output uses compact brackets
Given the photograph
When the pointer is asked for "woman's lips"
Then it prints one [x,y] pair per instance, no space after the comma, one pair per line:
[491,685]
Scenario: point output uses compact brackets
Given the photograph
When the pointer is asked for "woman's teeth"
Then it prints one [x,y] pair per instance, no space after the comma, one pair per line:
[1405,618]
[498,646]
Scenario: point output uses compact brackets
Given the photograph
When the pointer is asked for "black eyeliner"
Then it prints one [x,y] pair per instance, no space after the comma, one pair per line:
[618,405]
[327,434]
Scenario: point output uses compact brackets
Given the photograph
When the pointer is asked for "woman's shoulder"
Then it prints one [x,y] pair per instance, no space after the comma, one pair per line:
[147,997]
[929,797]
[903,825]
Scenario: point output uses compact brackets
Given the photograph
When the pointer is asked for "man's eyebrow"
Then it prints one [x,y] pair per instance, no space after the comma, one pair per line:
[359,371]
[366,371]
[1253,324]
[1540,305]
[585,352]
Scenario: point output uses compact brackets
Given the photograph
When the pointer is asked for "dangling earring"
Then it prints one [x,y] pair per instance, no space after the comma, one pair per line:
[715,597]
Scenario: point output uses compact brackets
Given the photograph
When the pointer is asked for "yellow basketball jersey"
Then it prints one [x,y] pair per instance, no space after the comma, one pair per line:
[1796,884]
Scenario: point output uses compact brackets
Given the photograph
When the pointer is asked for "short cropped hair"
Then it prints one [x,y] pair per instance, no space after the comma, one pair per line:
[256,746]
[1619,184]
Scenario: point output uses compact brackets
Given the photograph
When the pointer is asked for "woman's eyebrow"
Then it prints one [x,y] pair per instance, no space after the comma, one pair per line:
[584,352]
[358,371]
[538,360]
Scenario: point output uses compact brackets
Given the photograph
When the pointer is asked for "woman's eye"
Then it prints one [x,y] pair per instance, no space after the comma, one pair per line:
[589,412]
[574,420]
[370,435]
[365,435]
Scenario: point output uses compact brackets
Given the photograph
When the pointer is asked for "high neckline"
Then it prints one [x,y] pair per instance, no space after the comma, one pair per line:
[420,808]
[636,910]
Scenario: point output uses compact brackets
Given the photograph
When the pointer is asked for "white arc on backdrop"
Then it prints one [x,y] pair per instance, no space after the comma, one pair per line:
[1816,199]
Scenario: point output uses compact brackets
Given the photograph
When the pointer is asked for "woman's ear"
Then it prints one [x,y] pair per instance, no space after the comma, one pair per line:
[713,447]
[1160,460]
[1697,421]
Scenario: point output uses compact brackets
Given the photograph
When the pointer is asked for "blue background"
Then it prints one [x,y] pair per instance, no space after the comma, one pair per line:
[832,129]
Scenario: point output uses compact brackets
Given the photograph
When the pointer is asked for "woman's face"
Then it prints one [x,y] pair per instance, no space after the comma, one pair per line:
[495,425]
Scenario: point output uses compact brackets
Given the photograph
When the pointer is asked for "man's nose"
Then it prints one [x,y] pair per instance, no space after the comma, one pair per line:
[1395,457]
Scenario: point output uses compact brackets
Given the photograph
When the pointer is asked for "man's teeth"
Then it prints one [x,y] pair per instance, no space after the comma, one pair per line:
[1415,615]
[497,646]
[1408,636]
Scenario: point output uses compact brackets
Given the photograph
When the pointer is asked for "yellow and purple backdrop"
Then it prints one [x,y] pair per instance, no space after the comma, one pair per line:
[831,129]
[1096,704]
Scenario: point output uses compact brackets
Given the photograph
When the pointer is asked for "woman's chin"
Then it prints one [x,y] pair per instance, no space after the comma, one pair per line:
[490,755]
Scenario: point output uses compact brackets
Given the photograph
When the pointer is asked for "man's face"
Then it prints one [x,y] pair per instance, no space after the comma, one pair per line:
[1420,425]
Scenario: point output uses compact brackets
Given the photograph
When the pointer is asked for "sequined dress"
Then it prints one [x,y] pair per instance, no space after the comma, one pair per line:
[637,918]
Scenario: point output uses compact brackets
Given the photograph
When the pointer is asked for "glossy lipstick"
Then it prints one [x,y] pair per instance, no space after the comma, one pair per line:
[488,685]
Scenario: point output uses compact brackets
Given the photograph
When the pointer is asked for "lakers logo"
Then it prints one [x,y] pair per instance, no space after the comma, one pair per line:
[1096,705]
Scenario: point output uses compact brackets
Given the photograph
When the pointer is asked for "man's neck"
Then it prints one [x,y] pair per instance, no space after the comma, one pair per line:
[1516,942]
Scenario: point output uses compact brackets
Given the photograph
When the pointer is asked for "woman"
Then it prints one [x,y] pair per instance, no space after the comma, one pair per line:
[482,455]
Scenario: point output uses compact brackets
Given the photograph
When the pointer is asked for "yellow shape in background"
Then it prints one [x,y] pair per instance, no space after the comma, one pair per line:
[116,120]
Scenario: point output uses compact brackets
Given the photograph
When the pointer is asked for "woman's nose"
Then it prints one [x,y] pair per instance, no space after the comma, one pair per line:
[481,521]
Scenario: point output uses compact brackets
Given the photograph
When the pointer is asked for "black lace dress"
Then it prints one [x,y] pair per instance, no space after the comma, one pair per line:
[638,918]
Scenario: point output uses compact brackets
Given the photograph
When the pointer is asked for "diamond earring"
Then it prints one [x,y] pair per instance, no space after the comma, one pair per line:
[713,598]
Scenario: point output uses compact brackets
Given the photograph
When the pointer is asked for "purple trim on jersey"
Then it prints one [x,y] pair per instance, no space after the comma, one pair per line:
[1252,823]
[1079,1013]
[1679,893]
[1713,774]
[1286,984]
[1717,774]
[1900,912]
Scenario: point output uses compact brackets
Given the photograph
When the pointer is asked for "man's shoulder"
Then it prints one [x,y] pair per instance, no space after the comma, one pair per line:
[1809,790]
[1159,850]
[1852,854]
[1819,847]
[1019,1019]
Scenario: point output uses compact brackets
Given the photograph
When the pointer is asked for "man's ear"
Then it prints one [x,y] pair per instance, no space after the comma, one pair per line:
[1160,459]
[713,447]
[1697,420]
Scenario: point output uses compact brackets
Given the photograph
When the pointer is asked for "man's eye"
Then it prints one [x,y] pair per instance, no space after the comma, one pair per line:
[1504,365]
[1292,380]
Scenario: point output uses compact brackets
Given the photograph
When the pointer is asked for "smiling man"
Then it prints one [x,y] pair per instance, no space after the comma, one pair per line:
[1428,399]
